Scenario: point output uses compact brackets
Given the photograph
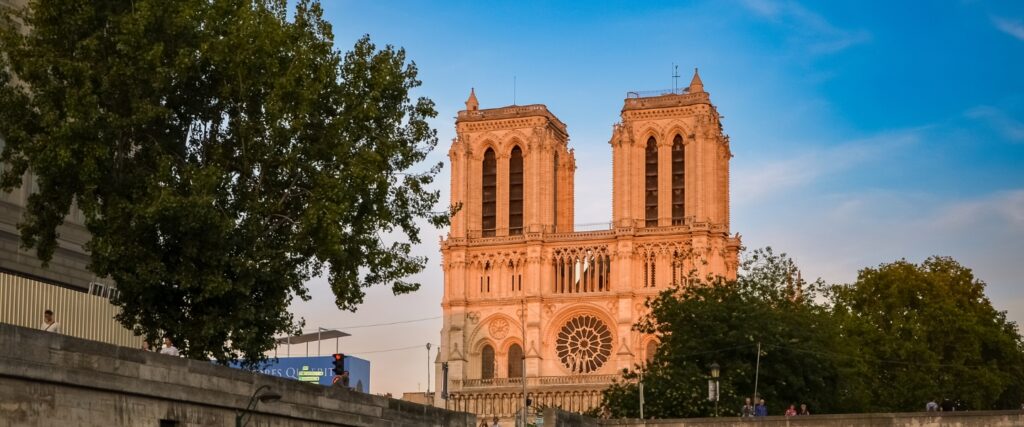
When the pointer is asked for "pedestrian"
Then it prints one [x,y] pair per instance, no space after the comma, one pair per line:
[931,406]
[49,323]
[495,422]
[483,423]
[803,410]
[791,410]
[761,410]
[748,409]
[947,405]
[145,346]
[169,348]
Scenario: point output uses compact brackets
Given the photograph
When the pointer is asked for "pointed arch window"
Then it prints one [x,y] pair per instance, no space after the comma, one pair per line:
[487,362]
[515,361]
[515,191]
[490,193]
[651,183]
[652,348]
[678,180]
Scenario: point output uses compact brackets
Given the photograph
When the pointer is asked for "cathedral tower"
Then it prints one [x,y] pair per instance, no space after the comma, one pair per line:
[512,171]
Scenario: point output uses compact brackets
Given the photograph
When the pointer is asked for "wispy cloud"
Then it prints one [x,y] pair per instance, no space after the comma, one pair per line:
[1012,27]
[811,30]
[766,178]
[861,228]
[1011,128]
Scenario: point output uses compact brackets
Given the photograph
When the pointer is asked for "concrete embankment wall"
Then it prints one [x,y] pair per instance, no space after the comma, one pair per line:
[54,380]
[919,419]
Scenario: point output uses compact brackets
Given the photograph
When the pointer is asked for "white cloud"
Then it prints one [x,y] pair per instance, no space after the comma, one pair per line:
[1009,127]
[834,235]
[809,29]
[1014,28]
[757,180]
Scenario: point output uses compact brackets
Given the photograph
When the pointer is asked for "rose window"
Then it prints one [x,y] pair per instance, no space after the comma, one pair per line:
[584,344]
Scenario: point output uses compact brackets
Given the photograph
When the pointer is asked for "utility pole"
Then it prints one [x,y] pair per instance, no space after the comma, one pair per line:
[428,370]
[641,393]
[757,372]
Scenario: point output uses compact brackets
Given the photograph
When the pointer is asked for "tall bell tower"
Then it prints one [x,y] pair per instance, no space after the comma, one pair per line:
[670,161]
[512,171]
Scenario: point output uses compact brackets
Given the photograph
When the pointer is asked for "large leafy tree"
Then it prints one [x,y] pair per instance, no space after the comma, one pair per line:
[927,331]
[724,322]
[222,153]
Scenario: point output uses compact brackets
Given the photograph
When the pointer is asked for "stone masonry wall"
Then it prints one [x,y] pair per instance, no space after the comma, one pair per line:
[53,380]
[920,419]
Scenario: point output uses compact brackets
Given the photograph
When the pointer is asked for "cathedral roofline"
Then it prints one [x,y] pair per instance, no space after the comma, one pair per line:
[511,112]
[636,102]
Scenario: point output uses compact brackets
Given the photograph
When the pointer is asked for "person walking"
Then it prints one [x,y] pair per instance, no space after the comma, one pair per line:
[748,409]
[791,410]
[495,424]
[803,410]
[169,348]
[49,323]
[761,410]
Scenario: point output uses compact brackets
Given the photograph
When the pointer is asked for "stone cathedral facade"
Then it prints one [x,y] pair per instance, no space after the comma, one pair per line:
[523,288]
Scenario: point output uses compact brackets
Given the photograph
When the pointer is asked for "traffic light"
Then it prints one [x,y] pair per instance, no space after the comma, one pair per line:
[339,363]
[339,370]
[340,374]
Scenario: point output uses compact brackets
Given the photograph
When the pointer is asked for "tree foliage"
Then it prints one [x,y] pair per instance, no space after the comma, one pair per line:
[222,153]
[927,331]
[902,334]
[717,321]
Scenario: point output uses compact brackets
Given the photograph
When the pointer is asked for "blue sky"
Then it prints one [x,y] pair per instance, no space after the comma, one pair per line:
[863,132]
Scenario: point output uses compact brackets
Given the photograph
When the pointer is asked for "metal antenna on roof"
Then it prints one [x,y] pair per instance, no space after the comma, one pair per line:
[513,90]
[675,77]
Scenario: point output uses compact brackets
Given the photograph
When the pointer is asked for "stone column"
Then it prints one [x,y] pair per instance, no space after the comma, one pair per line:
[664,182]
[501,224]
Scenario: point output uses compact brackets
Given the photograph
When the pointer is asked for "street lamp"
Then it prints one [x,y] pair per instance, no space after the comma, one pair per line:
[713,385]
[265,397]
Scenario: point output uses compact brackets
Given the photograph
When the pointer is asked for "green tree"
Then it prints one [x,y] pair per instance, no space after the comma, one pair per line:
[222,153]
[927,331]
[718,321]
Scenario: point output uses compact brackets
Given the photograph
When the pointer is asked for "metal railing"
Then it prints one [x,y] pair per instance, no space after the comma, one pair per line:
[536,381]
[659,92]
[81,315]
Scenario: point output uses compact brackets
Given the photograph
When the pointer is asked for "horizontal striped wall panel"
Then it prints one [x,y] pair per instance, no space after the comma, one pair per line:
[22,302]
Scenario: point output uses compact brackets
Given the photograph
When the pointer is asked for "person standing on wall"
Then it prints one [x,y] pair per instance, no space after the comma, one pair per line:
[169,348]
[748,409]
[761,410]
[49,323]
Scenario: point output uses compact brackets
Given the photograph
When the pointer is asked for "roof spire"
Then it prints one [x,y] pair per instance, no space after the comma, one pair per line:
[472,104]
[696,85]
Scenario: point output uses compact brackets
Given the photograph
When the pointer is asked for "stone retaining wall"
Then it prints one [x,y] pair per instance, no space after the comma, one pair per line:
[54,380]
[913,419]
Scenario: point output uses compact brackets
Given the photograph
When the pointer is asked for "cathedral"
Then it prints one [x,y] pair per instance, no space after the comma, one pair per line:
[527,298]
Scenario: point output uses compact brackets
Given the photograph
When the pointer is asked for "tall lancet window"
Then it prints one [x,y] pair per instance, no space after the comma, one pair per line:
[515,361]
[651,183]
[678,180]
[515,192]
[487,362]
[490,193]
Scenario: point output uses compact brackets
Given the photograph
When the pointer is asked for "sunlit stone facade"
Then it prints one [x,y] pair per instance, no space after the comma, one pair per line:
[520,281]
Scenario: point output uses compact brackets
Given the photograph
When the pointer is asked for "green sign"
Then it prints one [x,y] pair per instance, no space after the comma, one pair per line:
[309,375]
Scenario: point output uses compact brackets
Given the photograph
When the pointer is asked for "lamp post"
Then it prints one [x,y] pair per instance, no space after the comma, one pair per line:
[428,375]
[713,385]
[523,325]
[267,396]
